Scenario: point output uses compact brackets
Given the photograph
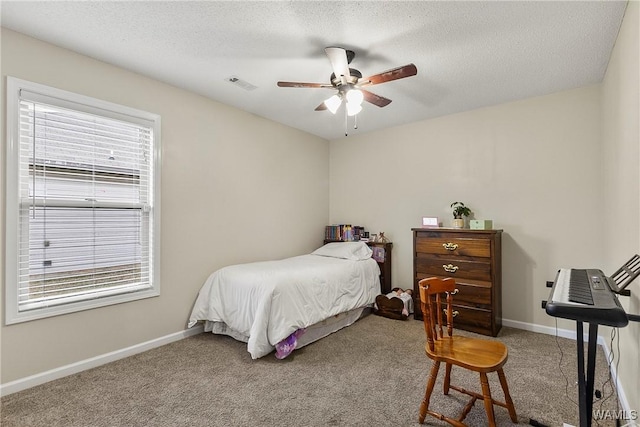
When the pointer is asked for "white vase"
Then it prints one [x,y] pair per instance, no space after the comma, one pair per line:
[458,223]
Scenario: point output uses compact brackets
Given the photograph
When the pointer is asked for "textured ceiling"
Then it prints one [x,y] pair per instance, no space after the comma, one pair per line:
[468,54]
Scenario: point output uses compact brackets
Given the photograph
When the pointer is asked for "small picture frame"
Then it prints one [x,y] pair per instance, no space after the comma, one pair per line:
[378,253]
[430,222]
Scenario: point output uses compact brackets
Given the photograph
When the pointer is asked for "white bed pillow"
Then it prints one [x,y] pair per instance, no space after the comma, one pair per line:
[355,251]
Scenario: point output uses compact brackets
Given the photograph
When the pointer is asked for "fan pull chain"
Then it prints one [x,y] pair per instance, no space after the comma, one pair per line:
[346,121]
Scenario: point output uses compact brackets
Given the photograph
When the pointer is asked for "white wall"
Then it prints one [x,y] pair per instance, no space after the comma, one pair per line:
[235,188]
[621,163]
[533,167]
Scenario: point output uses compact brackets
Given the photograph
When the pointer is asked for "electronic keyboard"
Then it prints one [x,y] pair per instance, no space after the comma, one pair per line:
[585,295]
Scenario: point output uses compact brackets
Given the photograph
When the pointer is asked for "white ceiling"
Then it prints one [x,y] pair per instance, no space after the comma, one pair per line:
[468,54]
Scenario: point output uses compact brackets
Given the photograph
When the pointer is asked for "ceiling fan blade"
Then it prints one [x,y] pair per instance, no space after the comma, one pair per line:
[339,62]
[378,100]
[321,107]
[299,84]
[387,76]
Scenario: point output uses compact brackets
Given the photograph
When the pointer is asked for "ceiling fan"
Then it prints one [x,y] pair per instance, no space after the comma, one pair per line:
[349,83]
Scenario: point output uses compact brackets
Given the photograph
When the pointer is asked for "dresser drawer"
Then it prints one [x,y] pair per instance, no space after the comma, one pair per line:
[470,319]
[471,295]
[473,320]
[451,267]
[477,295]
[452,246]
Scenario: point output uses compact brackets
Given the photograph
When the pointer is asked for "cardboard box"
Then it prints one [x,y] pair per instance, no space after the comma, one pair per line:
[480,224]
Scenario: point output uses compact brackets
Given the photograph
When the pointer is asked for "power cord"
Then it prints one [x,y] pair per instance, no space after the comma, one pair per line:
[566,380]
[611,382]
[610,359]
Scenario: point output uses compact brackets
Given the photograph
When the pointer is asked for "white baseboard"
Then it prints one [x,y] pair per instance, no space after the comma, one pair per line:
[547,330]
[571,334]
[83,365]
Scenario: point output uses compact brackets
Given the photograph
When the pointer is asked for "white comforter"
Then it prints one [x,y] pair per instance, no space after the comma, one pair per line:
[268,301]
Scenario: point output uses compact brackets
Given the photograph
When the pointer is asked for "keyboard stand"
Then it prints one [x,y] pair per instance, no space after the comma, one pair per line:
[617,284]
[586,378]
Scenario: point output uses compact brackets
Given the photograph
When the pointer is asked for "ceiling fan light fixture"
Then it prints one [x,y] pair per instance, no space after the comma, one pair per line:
[353,108]
[355,96]
[348,81]
[333,103]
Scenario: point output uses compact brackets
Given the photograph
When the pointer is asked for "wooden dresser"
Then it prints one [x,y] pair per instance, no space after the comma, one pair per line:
[474,259]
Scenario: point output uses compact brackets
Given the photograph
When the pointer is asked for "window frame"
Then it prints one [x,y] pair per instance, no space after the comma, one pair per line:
[84,104]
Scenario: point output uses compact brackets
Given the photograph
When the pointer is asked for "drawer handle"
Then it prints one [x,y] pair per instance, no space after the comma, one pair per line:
[450,268]
[450,246]
[454,313]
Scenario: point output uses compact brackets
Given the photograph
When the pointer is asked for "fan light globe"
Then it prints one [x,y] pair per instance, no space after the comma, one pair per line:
[355,96]
[353,109]
[333,103]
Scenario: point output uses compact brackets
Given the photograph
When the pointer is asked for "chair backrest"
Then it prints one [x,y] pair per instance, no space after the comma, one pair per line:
[434,293]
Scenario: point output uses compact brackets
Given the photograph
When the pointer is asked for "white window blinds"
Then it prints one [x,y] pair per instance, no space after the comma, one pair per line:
[85,192]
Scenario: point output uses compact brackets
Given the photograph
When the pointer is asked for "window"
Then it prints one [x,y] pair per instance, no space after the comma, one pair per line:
[82,211]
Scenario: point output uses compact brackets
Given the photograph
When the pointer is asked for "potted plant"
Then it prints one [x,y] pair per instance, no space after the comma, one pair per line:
[459,211]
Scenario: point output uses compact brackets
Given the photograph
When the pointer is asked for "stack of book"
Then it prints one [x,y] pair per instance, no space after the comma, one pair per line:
[344,233]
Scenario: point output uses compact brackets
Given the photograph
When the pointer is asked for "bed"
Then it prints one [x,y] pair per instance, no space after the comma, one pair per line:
[289,303]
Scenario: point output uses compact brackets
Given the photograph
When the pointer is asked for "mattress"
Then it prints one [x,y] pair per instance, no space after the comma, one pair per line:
[263,303]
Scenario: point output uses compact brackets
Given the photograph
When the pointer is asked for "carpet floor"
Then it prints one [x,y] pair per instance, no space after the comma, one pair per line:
[372,373]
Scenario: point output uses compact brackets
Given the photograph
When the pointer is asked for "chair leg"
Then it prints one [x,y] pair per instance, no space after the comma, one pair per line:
[507,396]
[447,378]
[486,395]
[424,406]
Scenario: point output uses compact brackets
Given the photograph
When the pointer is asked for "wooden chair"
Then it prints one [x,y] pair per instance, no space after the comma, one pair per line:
[479,355]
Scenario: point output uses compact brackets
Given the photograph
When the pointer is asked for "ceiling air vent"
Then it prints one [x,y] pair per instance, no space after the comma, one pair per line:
[241,83]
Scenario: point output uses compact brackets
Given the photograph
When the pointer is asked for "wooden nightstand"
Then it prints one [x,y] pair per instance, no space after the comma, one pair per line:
[384,263]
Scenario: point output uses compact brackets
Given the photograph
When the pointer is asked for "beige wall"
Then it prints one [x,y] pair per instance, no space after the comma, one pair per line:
[621,163]
[533,167]
[235,188]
